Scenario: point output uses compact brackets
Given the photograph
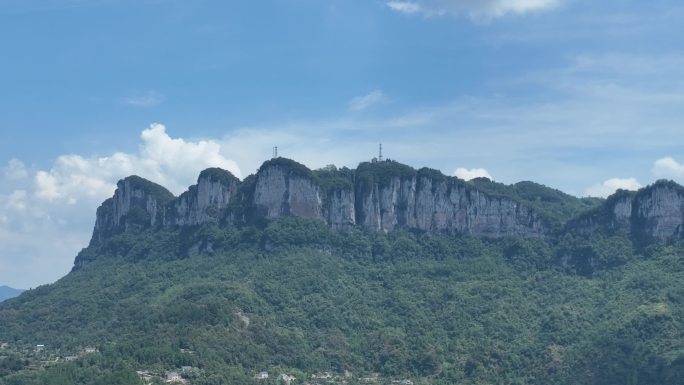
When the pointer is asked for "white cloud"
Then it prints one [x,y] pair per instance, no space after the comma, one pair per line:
[361,103]
[404,6]
[17,200]
[15,170]
[57,205]
[468,174]
[171,162]
[145,99]
[476,9]
[668,168]
[609,187]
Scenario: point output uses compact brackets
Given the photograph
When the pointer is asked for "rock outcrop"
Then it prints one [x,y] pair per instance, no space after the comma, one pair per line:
[205,201]
[432,202]
[653,213]
[613,216]
[658,212]
[383,196]
[284,188]
[137,203]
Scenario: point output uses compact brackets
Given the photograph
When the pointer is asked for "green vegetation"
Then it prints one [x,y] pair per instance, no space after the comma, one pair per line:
[218,175]
[381,173]
[554,205]
[289,164]
[297,297]
[161,194]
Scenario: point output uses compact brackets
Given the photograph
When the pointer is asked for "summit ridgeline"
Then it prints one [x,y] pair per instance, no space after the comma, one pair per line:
[383,196]
[386,196]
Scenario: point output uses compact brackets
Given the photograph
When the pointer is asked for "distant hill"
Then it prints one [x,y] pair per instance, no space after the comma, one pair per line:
[7,292]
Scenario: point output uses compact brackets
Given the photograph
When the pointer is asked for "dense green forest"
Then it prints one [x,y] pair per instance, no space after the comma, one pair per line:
[297,297]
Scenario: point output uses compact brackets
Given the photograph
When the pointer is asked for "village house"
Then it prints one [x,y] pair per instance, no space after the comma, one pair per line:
[261,375]
[90,350]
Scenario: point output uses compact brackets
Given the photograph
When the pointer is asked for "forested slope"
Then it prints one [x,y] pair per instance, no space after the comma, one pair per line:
[301,298]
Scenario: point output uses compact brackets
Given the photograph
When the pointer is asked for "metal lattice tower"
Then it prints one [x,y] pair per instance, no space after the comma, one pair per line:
[380,154]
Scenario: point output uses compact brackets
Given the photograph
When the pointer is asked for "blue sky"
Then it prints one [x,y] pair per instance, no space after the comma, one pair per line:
[584,96]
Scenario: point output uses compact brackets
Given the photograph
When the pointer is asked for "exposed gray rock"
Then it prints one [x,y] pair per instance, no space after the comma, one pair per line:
[659,211]
[379,200]
[205,201]
[340,212]
[137,203]
[281,191]
[615,215]
[654,212]
[445,205]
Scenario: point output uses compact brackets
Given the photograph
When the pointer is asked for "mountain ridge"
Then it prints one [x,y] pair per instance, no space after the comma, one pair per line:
[7,292]
[386,196]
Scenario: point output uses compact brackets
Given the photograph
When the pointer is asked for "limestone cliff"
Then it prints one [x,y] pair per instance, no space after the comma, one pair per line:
[653,213]
[430,201]
[284,187]
[137,203]
[658,212]
[383,196]
[205,201]
[614,216]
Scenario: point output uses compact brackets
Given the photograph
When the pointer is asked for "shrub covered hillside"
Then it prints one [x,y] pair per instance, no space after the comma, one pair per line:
[218,304]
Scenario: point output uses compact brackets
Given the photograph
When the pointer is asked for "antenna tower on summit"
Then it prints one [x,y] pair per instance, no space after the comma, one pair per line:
[380,154]
[275,152]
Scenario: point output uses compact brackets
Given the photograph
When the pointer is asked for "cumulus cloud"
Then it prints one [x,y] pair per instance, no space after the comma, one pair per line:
[668,168]
[144,99]
[57,205]
[468,174]
[609,187]
[361,103]
[476,9]
[15,169]
[171,162]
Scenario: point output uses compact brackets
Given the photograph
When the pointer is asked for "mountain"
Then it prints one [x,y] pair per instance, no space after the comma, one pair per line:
[383,196]
[7,292]
[381,274]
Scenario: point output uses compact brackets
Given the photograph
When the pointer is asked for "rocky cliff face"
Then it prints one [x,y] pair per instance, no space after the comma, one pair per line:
[653,213]
[383,196]
[387,196]
[281,190]
[205,201]
[658,211]
[137,203]
[614,216]
[340,211]
[440,204]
